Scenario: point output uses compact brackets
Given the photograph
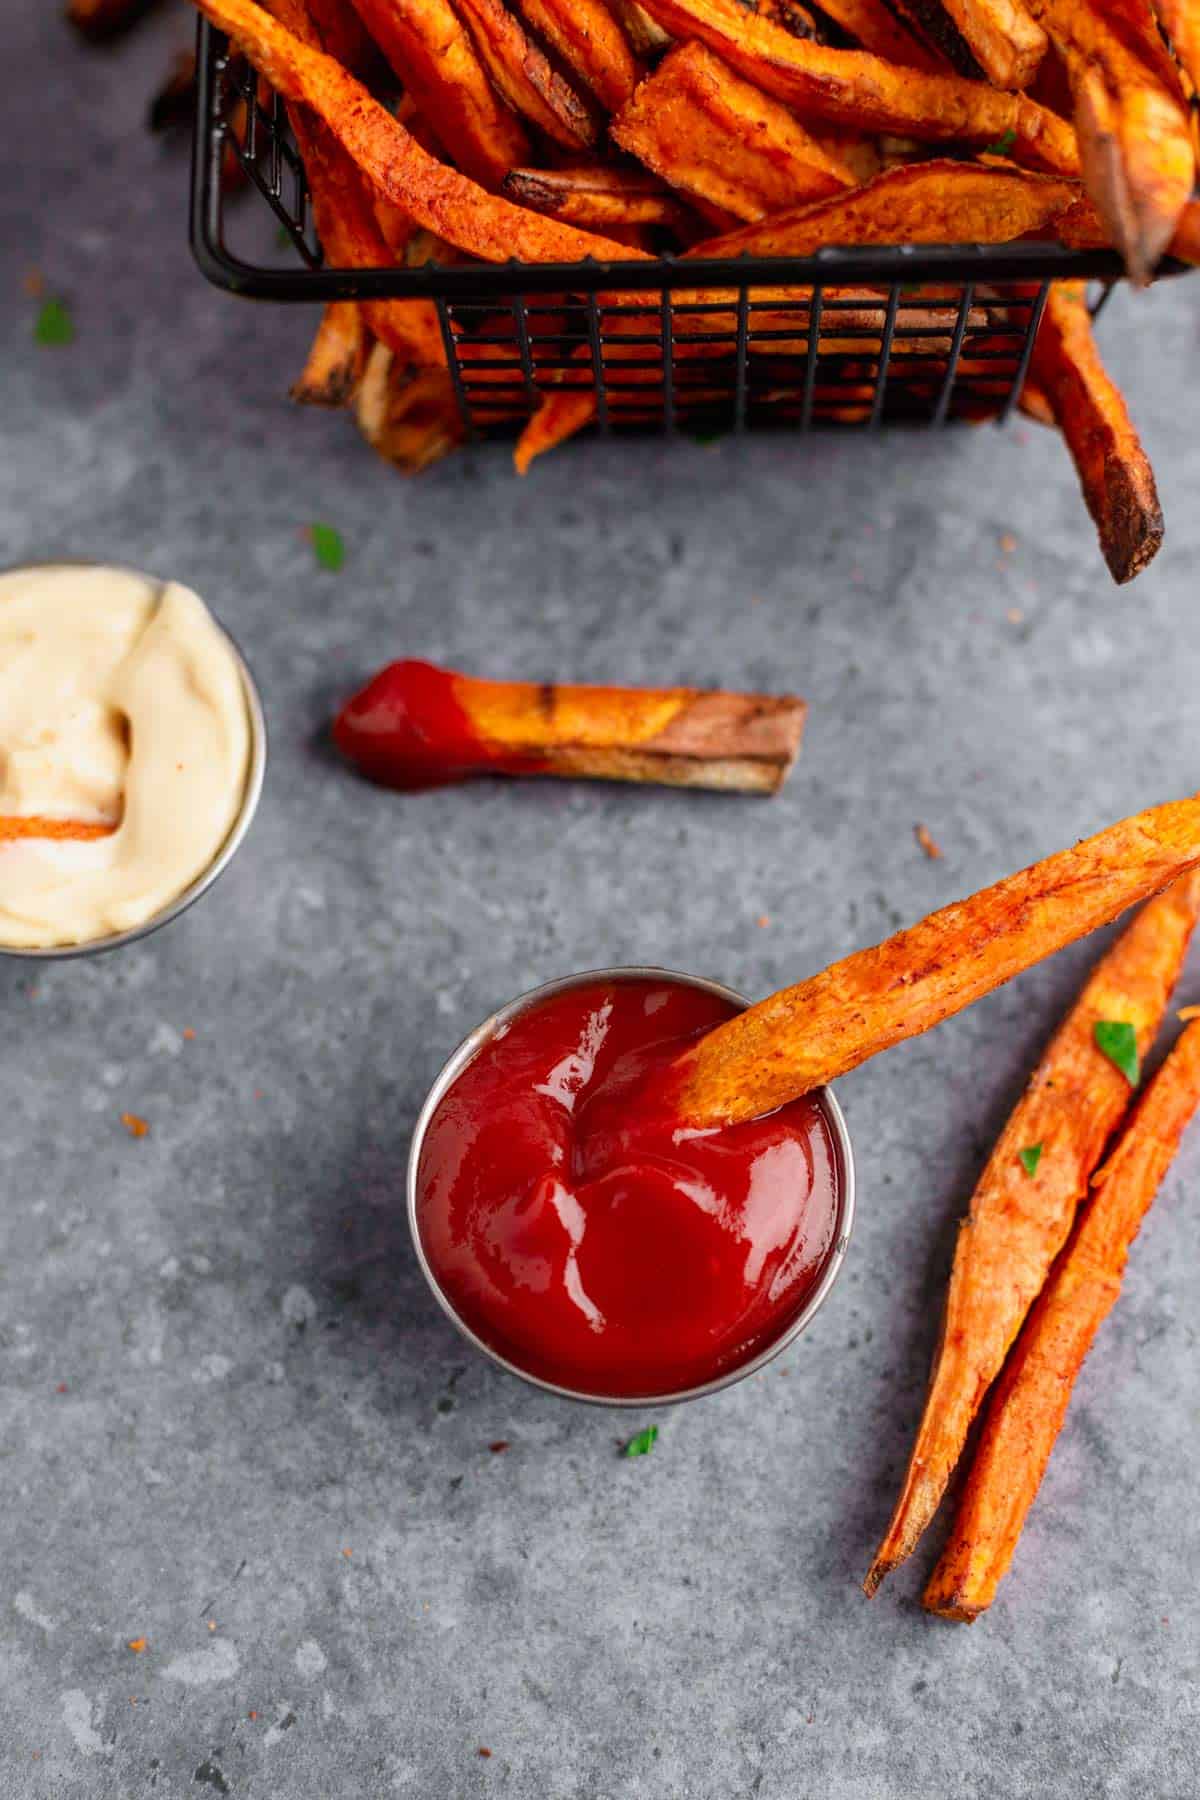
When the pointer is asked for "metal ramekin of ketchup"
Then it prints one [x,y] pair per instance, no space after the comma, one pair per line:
[581,1237]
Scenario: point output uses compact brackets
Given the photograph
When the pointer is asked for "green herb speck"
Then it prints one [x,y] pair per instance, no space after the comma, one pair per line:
[1003,145]
[642,1442]
[1030,1157]
[54,324]
[328,547]
[1118,1041]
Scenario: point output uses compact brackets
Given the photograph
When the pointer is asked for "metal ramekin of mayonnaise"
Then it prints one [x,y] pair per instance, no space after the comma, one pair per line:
[132,751]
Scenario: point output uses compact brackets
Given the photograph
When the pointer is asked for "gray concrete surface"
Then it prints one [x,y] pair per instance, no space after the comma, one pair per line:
[233,1422]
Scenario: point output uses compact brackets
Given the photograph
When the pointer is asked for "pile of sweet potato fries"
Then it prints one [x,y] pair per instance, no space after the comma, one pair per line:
[1041,1252]
[552,130]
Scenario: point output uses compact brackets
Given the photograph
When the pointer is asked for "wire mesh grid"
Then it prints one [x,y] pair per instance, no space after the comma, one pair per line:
[847,337]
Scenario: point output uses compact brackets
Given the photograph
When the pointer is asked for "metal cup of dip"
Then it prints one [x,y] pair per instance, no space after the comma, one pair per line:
[255,772]
[449,1074]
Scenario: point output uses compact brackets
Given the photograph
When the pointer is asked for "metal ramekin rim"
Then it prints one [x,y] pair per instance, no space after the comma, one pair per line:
[453,1067]
[251,793]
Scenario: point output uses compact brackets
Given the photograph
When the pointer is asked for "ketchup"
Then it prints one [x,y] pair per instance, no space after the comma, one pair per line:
[407,729]
[587,1237]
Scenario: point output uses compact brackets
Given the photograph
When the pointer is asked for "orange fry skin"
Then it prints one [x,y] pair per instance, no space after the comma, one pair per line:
[1089,409]
[1132,122]
[591,43]
[806,1036]
[1017,1223]
[348,225]
[1006,43]
[524,76]
[429,48]
[441,200]
[711,133]
[855,88]
[940,202]
[683,736]
[600,198]
[1034,1392]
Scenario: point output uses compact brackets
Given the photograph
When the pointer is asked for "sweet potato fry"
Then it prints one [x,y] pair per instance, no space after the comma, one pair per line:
[1131,120]
[524,75]
[856,88]
[1017,1222]
[560,416]
[1089,409]
[1032,1396]
[679,737]
[336,359]
[712,134]
[56,830]
[814,1032]
[1006,43]
[439,198]
[430,49]
[939,202]
[410,416]
[1081,228]
[591,43]
[344,206]
[600,198]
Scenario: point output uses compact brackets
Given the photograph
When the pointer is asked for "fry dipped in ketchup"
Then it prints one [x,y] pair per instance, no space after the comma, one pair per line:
[419,726]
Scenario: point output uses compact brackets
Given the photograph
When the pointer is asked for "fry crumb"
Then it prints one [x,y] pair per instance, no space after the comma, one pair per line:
[212,1624]
[1187,1013]
[1008,543]
[1015,616]
[483,1750]
[928,843]
[188,1033]
[347,1553]
[252,1715]
[764,920]
[34,283]
[134,1126]
[137,1645]
[61,1388]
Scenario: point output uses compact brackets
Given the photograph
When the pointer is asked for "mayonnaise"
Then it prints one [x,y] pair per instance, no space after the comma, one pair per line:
[122,702]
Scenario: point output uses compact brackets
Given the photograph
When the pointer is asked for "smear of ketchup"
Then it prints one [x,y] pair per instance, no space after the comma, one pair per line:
[590,1240]
[407,729]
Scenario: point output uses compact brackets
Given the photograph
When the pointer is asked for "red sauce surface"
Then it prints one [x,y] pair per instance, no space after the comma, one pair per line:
[406,729]
[587,1238]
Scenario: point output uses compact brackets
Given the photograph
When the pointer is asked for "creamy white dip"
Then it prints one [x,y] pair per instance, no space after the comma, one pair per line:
[122,703]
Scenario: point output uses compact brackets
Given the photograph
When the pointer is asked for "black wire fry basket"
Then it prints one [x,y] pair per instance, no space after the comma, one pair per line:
[842,338]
